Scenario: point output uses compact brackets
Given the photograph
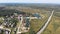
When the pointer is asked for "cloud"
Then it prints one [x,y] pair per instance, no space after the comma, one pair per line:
[29,1]
[20,1]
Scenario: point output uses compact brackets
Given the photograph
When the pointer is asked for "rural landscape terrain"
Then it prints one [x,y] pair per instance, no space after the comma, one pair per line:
[30,18]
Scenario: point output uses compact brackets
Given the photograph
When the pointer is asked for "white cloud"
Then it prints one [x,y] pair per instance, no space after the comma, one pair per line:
[19,0]
[30,1]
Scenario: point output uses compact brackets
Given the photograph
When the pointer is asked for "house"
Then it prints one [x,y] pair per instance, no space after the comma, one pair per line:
[37,15]
[27,22]
[6,32]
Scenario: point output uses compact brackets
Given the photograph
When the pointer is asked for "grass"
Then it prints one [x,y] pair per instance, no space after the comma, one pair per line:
[54,25]
[36,24]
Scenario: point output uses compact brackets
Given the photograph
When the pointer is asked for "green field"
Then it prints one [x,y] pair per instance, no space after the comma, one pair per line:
[54,25]
[36,24]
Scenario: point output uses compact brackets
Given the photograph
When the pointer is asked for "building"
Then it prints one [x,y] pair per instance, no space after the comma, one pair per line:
[37,15]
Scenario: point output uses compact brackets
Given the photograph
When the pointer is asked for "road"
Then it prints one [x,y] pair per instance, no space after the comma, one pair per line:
[19,27]
[20,23]
[46,24]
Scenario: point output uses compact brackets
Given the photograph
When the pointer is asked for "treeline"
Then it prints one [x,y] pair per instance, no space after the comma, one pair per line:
[10,12]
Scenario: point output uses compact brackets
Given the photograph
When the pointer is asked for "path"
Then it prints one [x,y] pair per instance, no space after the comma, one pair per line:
[46,24]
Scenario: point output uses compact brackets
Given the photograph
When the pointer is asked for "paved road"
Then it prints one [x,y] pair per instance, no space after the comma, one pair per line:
[46,24]
[19,27]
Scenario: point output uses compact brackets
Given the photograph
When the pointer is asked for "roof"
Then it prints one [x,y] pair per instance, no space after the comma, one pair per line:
[36,15]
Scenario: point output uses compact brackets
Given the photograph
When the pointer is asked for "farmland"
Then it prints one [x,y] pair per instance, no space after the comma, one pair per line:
[54,25]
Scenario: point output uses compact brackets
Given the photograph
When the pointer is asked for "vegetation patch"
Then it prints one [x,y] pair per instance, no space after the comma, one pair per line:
[54,25]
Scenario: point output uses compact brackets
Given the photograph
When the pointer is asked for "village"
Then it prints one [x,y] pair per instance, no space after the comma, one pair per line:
[18,22]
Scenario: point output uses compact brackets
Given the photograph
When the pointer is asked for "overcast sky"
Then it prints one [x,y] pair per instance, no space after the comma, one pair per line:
[30,1]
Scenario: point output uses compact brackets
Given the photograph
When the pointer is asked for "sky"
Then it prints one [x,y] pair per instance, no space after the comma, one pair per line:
[30,1]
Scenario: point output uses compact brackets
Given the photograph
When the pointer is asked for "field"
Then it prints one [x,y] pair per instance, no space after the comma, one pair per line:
[54,25]
[36,24]
[44,11]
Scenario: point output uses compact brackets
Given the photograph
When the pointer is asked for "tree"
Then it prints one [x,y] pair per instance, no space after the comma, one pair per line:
[15,21]
[1,20]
